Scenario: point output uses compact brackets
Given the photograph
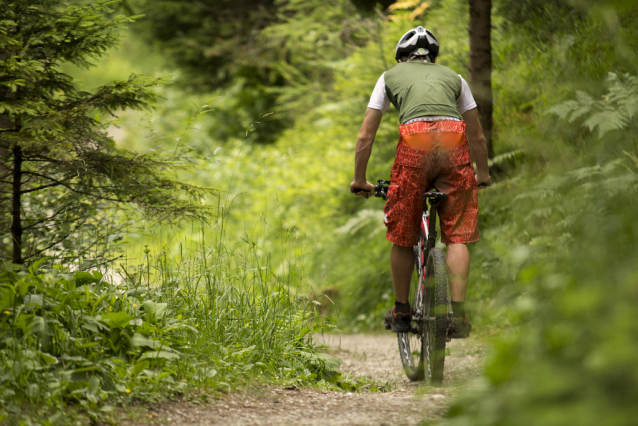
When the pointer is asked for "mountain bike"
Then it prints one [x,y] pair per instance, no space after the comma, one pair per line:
[422,349]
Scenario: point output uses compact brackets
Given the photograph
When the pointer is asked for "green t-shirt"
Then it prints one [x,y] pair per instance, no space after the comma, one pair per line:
[420,89]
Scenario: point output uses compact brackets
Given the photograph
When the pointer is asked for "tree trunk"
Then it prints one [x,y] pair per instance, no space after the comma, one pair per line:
[16,223]
[481,64]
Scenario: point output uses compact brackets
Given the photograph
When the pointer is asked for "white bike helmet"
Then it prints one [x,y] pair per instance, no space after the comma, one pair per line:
[414,39]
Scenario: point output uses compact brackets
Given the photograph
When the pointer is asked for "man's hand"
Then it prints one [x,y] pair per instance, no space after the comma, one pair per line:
[484,179]
[368,189]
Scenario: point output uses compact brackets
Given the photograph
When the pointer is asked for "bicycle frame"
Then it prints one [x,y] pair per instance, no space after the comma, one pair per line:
[428,223]
[428,236]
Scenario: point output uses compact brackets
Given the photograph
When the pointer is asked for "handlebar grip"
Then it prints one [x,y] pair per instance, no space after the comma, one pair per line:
[357,191]
[484,184]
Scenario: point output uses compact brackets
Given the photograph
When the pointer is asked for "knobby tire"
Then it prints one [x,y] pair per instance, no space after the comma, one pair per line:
[439,307]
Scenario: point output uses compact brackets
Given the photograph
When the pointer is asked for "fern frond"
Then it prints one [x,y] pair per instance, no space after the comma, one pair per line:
[615,111]
[511,156]
[564,109]
[606,121]
[584,172]
[633,158]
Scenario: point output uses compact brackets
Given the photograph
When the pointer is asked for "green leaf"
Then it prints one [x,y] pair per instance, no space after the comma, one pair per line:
[160,354]
[116,319]
[94,384]
[140,366]
[33,269]
[140,340]
[47,359]
[330,362]
[157,310]
[83,278]
[33,299]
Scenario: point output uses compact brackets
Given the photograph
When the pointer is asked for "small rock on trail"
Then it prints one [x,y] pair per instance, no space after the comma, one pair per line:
[371,355]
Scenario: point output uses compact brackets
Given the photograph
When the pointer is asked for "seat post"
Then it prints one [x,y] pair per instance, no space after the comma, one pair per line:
[434,199]
[432,230]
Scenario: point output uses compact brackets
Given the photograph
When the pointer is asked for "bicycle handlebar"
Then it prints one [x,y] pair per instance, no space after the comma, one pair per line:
[381,189]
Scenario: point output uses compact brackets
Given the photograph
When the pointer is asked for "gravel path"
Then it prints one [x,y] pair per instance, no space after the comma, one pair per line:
[374,356]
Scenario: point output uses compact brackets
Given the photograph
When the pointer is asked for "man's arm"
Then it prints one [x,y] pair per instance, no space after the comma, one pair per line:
[478,148]
[365,140]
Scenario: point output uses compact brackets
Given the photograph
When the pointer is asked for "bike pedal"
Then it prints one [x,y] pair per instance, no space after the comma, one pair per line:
[414,329]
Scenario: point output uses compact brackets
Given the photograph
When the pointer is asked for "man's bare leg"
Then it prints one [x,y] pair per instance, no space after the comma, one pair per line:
[458,270]
[402,263]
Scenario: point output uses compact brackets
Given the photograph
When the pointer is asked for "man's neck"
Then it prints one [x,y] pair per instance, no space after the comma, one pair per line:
[420,60]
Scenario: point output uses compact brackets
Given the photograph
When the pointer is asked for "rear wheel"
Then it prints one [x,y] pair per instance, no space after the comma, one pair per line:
[437,310]
[411,343]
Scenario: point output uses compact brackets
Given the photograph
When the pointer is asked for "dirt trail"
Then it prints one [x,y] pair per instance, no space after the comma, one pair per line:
[375,356]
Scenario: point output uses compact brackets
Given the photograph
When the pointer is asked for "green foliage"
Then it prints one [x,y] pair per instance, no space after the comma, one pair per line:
[542,20]
[571,357]
[310,37]
[209,320]
[616,110]
[213,41]
[596,37]
[261,57]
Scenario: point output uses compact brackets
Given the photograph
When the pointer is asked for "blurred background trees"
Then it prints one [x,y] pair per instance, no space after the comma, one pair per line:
[273,55]
[60,168]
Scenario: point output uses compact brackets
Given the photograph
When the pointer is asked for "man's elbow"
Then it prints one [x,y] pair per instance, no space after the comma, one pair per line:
[477,143]
[365,139]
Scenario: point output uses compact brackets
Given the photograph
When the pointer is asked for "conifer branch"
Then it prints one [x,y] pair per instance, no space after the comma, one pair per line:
[39,188]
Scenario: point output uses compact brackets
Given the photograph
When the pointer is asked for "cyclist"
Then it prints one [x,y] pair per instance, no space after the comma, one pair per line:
[438,118]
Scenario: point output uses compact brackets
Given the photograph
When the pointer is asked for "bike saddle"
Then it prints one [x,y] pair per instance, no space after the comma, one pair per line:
[435,197]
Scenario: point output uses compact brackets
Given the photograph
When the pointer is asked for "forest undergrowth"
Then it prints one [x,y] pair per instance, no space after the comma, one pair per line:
[193,325]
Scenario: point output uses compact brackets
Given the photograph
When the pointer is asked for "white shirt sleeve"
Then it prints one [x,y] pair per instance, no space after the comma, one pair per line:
[379,99]
[466,101]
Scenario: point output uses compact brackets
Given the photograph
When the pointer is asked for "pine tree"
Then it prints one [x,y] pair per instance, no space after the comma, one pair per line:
[57,163]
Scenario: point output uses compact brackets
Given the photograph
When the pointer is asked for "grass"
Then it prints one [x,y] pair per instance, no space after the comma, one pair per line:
[205,320]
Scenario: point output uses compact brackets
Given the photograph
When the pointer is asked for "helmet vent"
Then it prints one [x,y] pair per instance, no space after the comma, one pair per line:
[416,39]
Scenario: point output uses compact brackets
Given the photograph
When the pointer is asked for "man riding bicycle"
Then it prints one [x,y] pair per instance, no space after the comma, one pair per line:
[433,151]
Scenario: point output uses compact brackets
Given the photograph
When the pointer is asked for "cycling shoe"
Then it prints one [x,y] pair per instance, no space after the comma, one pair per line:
[398,322]
[460,328]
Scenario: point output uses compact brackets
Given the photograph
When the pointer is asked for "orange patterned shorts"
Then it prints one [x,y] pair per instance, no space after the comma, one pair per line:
[416,171]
